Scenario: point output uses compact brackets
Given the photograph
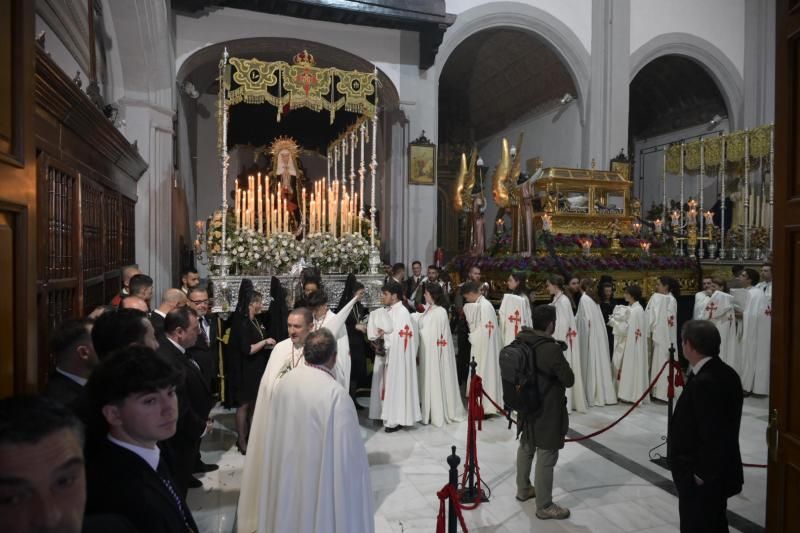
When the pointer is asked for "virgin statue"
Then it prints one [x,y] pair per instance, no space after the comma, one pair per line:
[287,175]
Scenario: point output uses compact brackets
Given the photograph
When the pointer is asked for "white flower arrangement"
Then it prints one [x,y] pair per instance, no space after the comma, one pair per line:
[283,251]
[322,251]
[248,250]
[354,253]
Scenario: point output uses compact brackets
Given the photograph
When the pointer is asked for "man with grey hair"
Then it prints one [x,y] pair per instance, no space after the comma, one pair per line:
[171,299]
[313,443]
[286,355]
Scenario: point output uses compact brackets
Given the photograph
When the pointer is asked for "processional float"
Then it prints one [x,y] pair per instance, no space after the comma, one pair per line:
[278,228]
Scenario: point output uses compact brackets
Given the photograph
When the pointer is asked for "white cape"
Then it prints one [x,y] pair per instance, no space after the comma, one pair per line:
[757,320]
[720,310]
[280,362]
[379,321]
[567,330]
[401,398]
[593,337]
[514,313]
[438,379]
[632,366]
[700,302]
[334,322]
[484,338]
[315,476]
[662,315]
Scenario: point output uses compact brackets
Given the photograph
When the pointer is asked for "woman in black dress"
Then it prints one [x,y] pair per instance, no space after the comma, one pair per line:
[356,325]
[249,346]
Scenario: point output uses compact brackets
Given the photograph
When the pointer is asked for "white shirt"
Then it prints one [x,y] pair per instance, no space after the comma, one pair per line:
[696,368]
[178,346]
[74,377]
[151,456]
[159,313]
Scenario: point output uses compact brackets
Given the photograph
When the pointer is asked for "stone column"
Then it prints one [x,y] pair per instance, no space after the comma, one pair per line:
[606,129]
[759,63]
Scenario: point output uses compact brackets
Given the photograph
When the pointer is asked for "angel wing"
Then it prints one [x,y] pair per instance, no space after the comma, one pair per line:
[462,176]
[516,166]
[500,178]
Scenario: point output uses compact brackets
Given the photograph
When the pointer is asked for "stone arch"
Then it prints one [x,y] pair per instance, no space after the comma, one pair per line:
[561,38]
[712,59]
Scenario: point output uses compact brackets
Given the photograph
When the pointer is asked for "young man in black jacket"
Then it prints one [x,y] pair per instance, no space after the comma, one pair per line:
[543,431]
[134,407]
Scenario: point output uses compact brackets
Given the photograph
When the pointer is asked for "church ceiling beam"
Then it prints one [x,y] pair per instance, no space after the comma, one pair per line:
[426,17]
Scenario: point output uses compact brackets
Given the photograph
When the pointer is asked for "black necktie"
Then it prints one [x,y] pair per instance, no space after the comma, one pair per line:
[165,479]
[204,329]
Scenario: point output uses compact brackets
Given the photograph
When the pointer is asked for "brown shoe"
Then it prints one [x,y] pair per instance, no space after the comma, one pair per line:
[526,494]
[552,512]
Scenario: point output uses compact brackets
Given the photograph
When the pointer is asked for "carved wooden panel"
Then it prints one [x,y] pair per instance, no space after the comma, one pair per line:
[91,229]
[93,295]
[60,305]
[128,231]
[7,258]
[111,226]
[60,187]
[6,76]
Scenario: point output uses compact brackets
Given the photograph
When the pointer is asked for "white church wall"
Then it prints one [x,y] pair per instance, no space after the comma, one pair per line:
[648,168]
[554,135]
[720,22]
[575,14]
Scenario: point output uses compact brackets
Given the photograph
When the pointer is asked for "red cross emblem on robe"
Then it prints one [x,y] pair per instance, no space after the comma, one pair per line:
[711,308]
[490,327]
[671,320]
[406,334]
[571,334]
[638,334]
[441,343]
[516,319]
[768,311]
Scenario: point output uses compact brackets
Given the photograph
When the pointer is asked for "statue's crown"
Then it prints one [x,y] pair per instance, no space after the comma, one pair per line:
[304,59]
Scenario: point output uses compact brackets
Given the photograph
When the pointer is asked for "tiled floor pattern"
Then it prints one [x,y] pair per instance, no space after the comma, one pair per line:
[409,466]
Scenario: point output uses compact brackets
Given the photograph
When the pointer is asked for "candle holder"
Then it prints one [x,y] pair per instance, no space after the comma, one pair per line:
[657,224]
[645,246]
[547,222]
[586,244]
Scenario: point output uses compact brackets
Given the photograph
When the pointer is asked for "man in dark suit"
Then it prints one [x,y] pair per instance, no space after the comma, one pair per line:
[195,401]
[71,346]
[171,299]
[121,328]
[134,407]
[414,279]
[703,445]
[205,350]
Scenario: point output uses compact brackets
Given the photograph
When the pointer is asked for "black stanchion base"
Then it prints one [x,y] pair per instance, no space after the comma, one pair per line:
[469,495]
[663,462]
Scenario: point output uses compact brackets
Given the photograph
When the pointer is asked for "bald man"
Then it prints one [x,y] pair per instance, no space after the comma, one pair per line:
[127,274]
[134,302]
[171,299]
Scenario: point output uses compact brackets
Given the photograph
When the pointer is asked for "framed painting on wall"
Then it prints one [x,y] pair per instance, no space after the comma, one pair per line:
[422,161]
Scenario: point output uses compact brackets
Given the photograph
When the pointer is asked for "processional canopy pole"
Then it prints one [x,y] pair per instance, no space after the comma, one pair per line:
[223,117]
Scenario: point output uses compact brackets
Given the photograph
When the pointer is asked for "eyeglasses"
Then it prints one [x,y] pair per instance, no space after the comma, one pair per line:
[199,301]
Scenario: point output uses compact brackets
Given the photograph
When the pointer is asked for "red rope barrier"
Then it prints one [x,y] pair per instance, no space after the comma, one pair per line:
[475,415]
[448,491]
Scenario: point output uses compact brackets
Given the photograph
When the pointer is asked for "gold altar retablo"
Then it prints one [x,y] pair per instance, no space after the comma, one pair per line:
[585,201]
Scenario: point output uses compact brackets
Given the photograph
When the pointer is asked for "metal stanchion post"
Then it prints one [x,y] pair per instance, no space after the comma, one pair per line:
[453,460]
[657,457]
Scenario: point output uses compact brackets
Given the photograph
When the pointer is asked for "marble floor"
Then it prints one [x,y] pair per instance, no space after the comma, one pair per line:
[608,482]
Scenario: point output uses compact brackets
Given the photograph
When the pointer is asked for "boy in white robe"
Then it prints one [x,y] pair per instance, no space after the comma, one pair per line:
[315,475]
[515,310]
[438,379]
[379,323]
[720,311]
[701,299]
[593,337]
[567,331]
[484,338]
[662,314]
[317,301]
[618,321]
[633,367]
[401,389]
[756,321]
[286,355]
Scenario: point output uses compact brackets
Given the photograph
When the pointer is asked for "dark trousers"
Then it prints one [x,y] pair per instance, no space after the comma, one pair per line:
[464,351]
[702,507]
